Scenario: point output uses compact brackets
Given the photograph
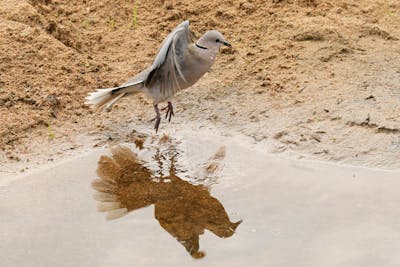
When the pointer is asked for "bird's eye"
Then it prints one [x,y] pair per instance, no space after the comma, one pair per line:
[217,40]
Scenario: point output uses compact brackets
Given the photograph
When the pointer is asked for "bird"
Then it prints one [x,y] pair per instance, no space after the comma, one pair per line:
[180,62]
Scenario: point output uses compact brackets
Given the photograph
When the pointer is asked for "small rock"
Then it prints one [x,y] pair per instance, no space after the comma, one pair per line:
[247,7]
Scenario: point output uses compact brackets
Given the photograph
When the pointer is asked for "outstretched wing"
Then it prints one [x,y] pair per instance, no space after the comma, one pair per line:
[165,71]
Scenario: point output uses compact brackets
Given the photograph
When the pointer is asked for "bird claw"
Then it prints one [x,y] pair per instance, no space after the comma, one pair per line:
[170,111]
[157,125]
[168,114]
[157,118]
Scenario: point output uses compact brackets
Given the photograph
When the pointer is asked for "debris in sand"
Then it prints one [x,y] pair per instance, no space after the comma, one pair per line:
[165,138]
[309,36]
[378,128]
[328,53]
[377,31]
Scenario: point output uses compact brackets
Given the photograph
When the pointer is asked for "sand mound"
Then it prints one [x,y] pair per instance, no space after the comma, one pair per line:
[52,53]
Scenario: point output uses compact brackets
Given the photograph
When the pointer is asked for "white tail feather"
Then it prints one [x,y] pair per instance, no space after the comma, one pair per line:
[110,96]
[112,102]
[99,97]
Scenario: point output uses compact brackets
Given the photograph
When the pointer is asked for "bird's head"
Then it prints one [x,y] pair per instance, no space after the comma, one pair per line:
[212,40]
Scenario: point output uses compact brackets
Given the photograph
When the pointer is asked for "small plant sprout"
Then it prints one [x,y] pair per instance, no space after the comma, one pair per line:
[86,24]
[388,8]
[113,23]
[50,131]
[134,15]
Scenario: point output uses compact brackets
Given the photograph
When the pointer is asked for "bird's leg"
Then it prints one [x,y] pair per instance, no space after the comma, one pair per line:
[158,117]
[170,111]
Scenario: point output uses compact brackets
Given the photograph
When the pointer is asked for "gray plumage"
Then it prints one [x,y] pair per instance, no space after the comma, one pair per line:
[180,63]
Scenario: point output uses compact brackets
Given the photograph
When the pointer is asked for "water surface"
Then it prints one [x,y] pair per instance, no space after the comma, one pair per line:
[180,203]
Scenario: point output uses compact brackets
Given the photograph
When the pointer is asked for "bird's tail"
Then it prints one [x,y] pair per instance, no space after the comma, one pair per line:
[109,96]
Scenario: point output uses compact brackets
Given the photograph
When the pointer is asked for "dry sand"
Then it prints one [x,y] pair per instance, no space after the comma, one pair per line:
[311,78]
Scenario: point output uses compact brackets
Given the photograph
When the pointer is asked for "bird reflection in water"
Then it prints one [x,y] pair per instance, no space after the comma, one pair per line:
[183,209]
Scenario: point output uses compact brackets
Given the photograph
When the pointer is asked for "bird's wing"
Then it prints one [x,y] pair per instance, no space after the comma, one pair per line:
[166,68]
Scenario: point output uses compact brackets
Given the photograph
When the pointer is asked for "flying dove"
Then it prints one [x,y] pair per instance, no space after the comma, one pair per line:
[179,64]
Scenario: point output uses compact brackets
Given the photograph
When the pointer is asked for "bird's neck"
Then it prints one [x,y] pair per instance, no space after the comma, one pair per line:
[200,46]
[207,53]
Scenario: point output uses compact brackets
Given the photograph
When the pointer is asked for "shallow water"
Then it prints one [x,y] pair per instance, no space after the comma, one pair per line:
[202,200]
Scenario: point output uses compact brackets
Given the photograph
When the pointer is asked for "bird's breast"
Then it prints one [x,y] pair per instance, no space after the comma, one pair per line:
[195,66]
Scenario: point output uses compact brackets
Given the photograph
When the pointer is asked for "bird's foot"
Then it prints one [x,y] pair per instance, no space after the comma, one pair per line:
[170,111]
[157,118]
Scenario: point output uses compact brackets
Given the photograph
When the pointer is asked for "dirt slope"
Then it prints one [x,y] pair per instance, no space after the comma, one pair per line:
[320,78]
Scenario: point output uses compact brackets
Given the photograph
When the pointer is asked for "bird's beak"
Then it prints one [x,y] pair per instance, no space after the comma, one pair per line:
[227,44]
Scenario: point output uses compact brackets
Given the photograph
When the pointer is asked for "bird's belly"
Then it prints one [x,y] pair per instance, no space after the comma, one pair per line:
[157,96]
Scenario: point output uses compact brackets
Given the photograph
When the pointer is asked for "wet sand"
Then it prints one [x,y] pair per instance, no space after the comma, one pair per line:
[166,199]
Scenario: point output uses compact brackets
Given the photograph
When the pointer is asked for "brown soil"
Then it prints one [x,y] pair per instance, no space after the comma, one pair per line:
[318,78]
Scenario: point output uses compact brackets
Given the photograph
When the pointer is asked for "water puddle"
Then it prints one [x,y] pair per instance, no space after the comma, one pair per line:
[179,202]
[126,183]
